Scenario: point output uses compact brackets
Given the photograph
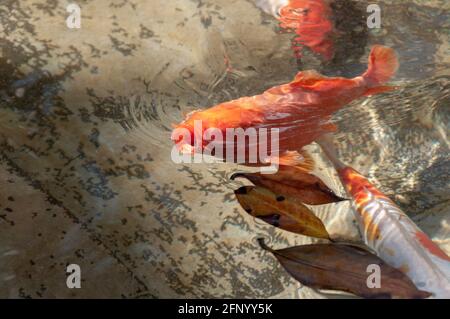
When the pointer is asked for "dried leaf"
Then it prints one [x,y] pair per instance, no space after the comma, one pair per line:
[280,211]
[344,267]
[291,181]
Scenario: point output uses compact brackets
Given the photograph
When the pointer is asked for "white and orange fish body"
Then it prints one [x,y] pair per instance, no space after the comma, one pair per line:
[392,234]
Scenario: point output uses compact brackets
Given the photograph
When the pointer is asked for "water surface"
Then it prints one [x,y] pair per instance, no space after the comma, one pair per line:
[85,120]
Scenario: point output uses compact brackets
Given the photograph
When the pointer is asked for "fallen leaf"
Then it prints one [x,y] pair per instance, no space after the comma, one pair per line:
[345,268]
[280,211]
[291,181]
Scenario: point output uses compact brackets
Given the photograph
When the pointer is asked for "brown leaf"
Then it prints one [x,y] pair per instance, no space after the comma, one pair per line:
[291,181]
[344,267]
[280,211]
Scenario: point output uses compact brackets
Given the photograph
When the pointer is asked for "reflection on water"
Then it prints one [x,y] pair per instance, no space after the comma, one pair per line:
[85,120]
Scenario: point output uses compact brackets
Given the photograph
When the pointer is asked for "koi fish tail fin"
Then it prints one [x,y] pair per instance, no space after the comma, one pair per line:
[383,64]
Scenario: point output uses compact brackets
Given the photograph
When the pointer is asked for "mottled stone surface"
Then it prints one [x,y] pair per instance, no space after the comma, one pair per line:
[86,174]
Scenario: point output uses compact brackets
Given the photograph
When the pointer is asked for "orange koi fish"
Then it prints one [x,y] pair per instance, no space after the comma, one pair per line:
[392,234]
[310,20]
[300,110]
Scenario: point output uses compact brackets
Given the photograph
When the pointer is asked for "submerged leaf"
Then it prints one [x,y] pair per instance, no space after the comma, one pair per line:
[280,211]
[291,181]
[345,268]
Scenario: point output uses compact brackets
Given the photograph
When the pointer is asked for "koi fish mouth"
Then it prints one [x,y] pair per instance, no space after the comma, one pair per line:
[179,139]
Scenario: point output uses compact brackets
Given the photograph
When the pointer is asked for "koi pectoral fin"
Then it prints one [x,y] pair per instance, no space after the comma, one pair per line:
[300,159]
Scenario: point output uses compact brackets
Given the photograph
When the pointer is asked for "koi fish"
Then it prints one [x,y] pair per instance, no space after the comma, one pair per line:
[310,20]
[391,233]
[301,110]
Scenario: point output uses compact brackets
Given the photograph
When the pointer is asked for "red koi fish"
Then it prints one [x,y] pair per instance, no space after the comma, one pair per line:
[392,234]
[310,20]
[301,109]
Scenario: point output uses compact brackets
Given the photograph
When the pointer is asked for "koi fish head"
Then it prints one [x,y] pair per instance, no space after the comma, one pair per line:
[202,126]
[182,138]
[183,135]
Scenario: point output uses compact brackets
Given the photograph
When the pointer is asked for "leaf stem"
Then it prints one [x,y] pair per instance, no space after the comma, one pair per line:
[263,245]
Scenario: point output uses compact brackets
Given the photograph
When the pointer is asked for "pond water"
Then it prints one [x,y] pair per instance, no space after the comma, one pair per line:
[85,122]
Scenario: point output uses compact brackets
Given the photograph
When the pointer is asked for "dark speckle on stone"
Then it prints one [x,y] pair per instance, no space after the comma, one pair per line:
[206,21]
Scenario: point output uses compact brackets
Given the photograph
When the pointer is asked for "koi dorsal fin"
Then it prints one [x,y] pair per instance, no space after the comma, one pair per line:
[308,78]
